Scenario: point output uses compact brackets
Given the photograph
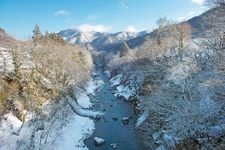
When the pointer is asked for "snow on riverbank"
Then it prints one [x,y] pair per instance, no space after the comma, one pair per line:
[63,129]
[79,127]
[82,96]
[125,91]
[73,134]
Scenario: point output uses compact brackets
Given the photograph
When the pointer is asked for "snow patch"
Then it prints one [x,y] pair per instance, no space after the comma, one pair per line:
[10,138]
[83,100]
[73,135]
[142,118]
[93,85]
[82,95]
[11,119]
[107,72]
[81,111]
[125,91]
[116,80]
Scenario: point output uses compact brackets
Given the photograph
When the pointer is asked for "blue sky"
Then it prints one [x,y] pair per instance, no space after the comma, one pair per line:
[18,17]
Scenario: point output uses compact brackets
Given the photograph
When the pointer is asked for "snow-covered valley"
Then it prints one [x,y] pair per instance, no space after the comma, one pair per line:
[86,88]
[70,124]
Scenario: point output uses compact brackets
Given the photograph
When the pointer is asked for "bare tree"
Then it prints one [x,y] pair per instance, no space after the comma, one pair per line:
[181,32]
[160,32]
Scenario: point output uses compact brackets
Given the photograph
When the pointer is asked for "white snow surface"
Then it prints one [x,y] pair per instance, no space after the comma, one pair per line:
[83,100]
[82,96]
[8,126]
[74,133]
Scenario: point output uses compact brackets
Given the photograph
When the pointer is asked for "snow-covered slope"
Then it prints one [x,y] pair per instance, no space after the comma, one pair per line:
[79,37]
[113,38]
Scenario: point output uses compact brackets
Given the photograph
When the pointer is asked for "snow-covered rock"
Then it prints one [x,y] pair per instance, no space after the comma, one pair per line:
[116,80]
[125,120]
[99,141]
[114,145]
[125,91]
[142,118]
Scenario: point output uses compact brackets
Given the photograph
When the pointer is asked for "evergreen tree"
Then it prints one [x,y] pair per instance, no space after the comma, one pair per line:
[36,32]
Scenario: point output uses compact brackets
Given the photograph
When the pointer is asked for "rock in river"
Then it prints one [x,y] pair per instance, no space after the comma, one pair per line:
[115,118]
[99,141]
[125,120]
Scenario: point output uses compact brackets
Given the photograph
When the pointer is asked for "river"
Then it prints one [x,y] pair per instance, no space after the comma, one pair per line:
[112,130]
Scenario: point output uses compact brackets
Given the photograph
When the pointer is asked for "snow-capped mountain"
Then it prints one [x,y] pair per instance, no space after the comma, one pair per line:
[75,36]
[98,40]
[144,32]
[111,39]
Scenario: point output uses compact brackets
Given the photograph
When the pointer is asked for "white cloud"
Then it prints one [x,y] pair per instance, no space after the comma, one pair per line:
[96,28]
[123,4]
[131,28]
[92,17]
[199,2]
[62,13]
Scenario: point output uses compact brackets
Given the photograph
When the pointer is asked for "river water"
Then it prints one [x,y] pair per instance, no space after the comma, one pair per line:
[112,130]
